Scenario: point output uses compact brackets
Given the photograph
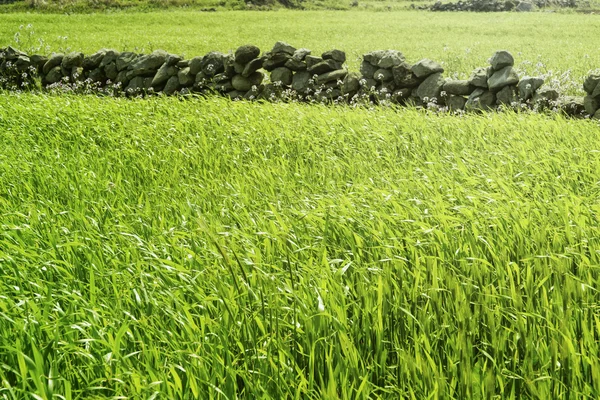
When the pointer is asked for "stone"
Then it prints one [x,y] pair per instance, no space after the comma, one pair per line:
[275,60]
[238,68]
[431,88]
[404,77]
[195,65]
[596,115]
[54,61]
[596,92]
[245,54]
[235,95]
[384,58]
[172,86]
[212,63]
[572,105]
[201,78]
[545,95]
[325,66]
[282,75]
[401,95]
[77,74]
[185,77]
[501,59]
[283,47]
[507,96]
[122,78]
[300,54]
[295,65]
[455,103]
[480,100]
[312,60]
[97,75]
[457,87]
[591,83]
[301,81]
[109,57]
[479,78]
[224,86]
[426,67]
[172,59]
[332,76]
[527,87]
[368,84]
[163,74]
[229,65]
[504,77]
[368,70]
[253,66]
[351,83]
[336,55]
[243,84]
[183,64]
[124,60]
[524,6]
[54,75]
[110,71]
[147,82]
[146,65]
[383,75]
[591,104]
[135,84]
[38,61]
[93,61]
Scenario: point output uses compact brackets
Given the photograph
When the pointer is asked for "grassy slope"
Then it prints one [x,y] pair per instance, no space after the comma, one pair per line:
[204,246]
[462,41]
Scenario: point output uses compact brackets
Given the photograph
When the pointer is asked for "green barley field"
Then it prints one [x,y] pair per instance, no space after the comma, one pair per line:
[199,248]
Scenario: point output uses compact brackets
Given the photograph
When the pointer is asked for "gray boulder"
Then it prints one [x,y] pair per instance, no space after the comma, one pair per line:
[97,75]
[457,87]
[426,67]
[501,59]
[596,115]
[172,86]
[431,88]
[54,61]
[300,54]
[507,96]
[295,65]
[384,58]
[501,78]
[404,77]
[135,84]
[455,102]
[591,104]
[479,78]
[336,55]
[367,69]
[253,66]
[351,83]
[163,74]
[301,81]
[283,47]
[54,75]
[243,84]
[110,71]
[401,96]
[195,65]
[527,87]
[324,66]
[332,76]
[591,83]
[185,77]
[124,60]
[93,61]
[572,105]
[247,53]
[275,60]
[383,75]
[212,63]
[146,65]
[109,57]
[524,6]
[282,75]
[480,100]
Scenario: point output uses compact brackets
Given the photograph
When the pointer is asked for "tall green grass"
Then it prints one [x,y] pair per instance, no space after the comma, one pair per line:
[204,248]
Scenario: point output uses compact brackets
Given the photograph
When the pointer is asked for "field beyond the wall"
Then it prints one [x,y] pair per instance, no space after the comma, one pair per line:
[197,247]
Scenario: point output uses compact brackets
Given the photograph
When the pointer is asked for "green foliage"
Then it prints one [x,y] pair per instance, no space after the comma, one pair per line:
[202,248]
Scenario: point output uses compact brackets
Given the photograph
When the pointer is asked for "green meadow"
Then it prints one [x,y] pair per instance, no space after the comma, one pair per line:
[183,248]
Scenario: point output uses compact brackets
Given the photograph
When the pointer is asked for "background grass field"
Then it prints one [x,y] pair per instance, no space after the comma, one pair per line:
[203,248]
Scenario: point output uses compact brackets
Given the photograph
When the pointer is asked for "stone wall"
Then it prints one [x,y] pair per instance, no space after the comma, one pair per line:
[287,73]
